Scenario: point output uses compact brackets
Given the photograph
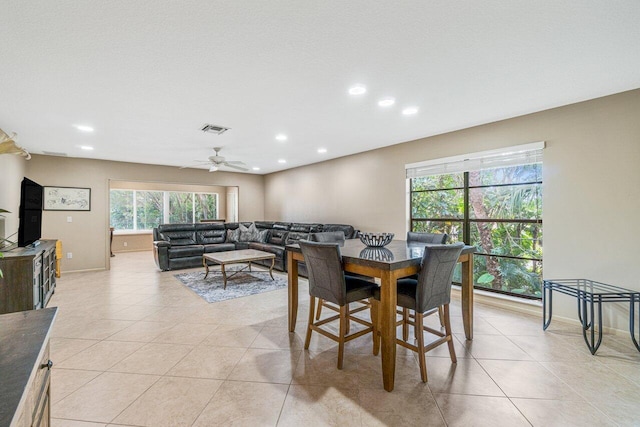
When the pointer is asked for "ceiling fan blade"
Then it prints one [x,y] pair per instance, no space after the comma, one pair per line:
[199,163]
[235,162]
[235,167]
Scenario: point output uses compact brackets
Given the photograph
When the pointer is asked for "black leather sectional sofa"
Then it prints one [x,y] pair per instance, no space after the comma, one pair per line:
[179,246]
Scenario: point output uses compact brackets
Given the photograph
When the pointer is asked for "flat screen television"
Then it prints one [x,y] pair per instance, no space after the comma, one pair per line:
[30,226]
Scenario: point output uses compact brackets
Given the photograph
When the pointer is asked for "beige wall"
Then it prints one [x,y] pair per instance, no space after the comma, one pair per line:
[591,188]
[134,242]
[87,236]
[12,170]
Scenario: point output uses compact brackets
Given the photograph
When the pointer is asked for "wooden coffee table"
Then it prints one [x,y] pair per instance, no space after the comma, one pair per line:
[237,257]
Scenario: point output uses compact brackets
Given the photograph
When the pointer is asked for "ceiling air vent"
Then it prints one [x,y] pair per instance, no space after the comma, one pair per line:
[218,130]
[54,153]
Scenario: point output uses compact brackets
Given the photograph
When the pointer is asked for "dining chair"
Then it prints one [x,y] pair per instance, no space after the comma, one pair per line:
[438,238]
[431,291]
[420,237]
[328,237]
[337,237]
[328,281]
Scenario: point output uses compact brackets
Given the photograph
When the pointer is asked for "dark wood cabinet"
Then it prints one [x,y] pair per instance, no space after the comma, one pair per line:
[29,277]
[25,368]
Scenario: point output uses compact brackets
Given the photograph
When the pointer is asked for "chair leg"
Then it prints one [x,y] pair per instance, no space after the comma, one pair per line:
[312,304]
[405,324]
[447,329]
[348,327]
[441,316]
[420,344]
[320,302]
[343,329]
[375,322]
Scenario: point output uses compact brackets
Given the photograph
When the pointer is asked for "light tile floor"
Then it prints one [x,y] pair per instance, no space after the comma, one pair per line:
[133,347]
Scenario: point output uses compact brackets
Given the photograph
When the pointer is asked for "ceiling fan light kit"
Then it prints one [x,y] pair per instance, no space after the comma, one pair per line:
[216,161]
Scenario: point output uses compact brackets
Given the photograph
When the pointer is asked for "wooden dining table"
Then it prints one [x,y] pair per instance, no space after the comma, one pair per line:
[396,260]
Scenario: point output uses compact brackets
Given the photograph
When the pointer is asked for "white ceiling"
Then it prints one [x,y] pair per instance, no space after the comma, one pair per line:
[148,74]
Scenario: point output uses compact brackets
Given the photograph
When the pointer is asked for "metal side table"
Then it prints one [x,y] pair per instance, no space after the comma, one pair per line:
[590,295]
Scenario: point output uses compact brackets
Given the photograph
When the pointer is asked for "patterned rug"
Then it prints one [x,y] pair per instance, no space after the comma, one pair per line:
[240,285]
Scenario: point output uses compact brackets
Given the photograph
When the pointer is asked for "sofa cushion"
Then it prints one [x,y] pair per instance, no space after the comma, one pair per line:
[234,225]
[179,234]
[185,251]
[305,228]
[241,245]
[295,237]
[281,225]
[209,233]
[180,238]
[266,247]
[277,237]
[348,230]
[261,225]
[219,247]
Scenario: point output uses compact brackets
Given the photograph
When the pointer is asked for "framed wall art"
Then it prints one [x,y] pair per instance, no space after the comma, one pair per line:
[67,199]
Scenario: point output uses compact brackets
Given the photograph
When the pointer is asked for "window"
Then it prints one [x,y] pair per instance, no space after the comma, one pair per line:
[498,209]
[149,208]
[122,209]
[144,210]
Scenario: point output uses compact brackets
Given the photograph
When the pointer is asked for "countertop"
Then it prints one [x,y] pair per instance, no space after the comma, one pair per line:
[22,338]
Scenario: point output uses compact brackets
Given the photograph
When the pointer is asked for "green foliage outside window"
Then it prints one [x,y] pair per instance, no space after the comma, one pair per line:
[205,206]
[122,209]
[144,210]
[504,222]
[149,209]
[180,208]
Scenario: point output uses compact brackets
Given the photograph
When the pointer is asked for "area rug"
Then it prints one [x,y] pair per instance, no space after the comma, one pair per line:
[240,285]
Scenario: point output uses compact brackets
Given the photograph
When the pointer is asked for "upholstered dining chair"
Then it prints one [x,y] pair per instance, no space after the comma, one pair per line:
[328,237]
[336,237]
[413,236]
[328,281]
[431,291]
[419,237]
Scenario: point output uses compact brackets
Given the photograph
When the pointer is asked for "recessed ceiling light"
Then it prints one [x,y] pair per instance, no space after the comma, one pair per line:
[256,168]
[86,147]
[84,128]
[281,137]
[357,90]
[409,111]
[322,150]
[386,102]
[282,161]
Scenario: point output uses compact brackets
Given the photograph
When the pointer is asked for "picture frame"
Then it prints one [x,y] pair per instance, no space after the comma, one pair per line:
[67,199]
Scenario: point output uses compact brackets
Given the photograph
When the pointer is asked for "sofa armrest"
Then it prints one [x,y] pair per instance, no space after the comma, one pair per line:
[161,254]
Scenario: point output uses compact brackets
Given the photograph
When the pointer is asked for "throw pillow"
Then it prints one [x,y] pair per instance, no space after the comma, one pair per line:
[233,236]
[262,236]
[245,233]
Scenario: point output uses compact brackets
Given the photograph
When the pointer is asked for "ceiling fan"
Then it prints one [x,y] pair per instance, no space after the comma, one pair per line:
[218,161]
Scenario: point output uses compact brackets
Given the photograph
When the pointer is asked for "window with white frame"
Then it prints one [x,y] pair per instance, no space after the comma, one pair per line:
[491,200]
[144,210]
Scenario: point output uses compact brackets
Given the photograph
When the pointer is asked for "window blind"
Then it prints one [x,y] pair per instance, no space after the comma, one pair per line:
[509,156]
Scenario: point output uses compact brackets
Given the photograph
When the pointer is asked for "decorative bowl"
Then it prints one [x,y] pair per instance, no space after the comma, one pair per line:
[376,254]
[376,240]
